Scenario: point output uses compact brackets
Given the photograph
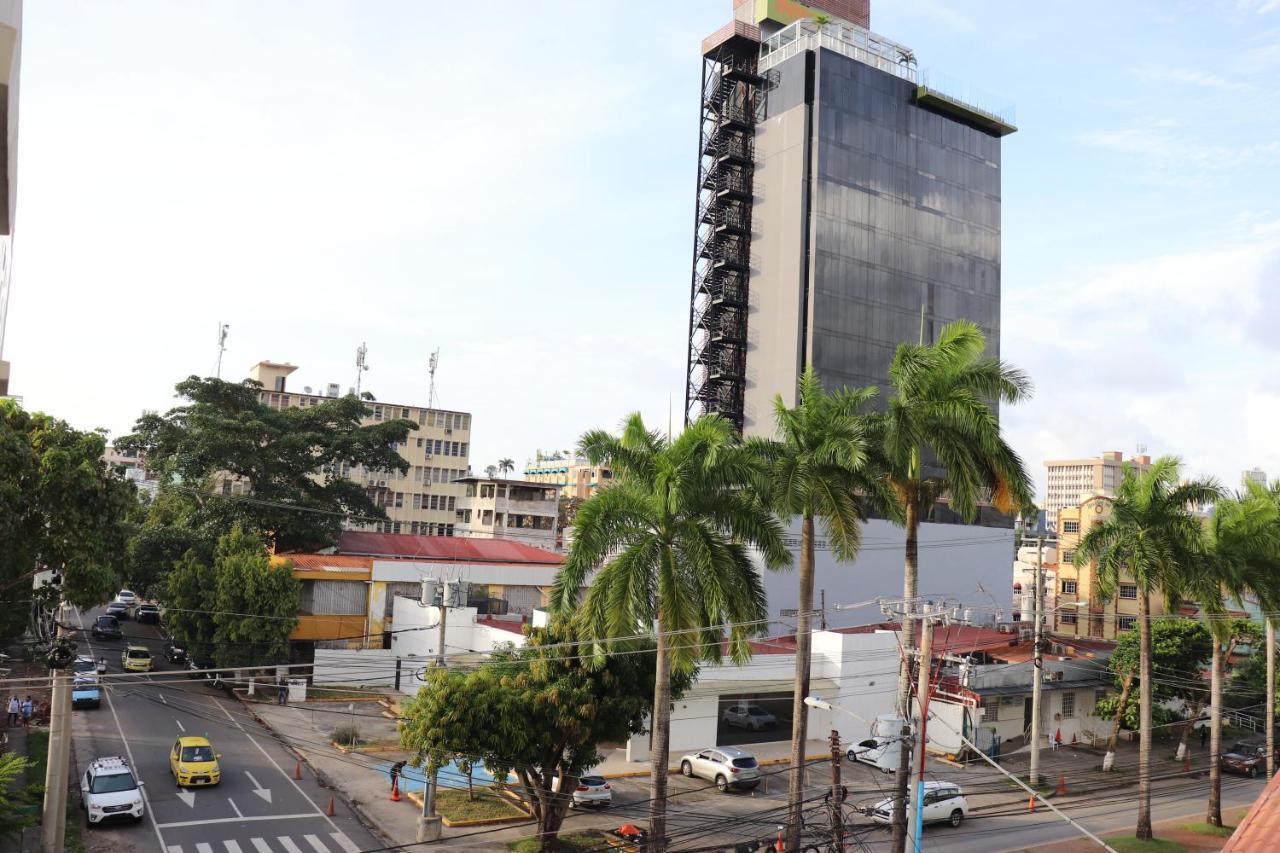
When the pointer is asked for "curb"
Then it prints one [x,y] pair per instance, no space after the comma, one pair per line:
[416,798]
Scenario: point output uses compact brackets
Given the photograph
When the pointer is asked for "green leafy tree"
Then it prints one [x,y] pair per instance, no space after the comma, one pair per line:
[817,470]
[61,507]
[538,711]
[1153,538]
[1180,649]
[941,414]
[189,604]
[668,544]
[256,603]
[18,802]
[292,460]
[153,551]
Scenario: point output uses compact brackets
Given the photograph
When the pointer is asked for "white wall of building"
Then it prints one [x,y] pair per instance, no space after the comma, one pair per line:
[417,635]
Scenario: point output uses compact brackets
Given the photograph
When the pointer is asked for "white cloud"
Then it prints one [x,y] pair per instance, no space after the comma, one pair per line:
[1189,76]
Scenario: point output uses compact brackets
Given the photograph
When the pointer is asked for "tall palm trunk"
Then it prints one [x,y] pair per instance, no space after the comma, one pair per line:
[799,711]
[1214,814]
[660,746]
[1126,687]
[1269,717]
[1144,716]
[910,572]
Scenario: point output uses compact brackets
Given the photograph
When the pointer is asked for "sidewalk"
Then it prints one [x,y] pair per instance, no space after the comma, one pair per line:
[616,766]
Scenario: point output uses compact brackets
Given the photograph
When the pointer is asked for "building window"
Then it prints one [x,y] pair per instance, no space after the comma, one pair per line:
[989,709]
[1128,590]
[464,449]
[1126,623]
[417,504]
[451,503]
[1069,618]
[438,442]
[1068,556]
[413,528]
[448,530]
[1069,587]
[1068,705]
[396,527]
[399,499]
[404,413]
[1070,527]
[1098,696]
[377,413]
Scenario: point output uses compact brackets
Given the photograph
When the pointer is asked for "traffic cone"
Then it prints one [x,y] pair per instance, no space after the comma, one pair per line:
[1062,784]
[1031,803]
[778,845]
[395,790]
[1073,739]
[297,770]
[329,810]
[1186,763]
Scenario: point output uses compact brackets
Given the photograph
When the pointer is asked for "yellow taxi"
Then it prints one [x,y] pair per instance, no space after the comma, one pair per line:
[193,762]
[135,659]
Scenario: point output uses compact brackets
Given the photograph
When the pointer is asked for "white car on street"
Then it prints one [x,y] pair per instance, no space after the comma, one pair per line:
[109,789]
[944,802]
[876,751]
[128,597]
[593,790]
[724,765]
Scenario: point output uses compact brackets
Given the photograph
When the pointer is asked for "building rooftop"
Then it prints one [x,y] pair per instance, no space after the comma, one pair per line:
[455,549]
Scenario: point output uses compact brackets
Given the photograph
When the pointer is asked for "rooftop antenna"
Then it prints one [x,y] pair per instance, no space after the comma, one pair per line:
[361,367]
[1142,449]
[222,346]
[431,372]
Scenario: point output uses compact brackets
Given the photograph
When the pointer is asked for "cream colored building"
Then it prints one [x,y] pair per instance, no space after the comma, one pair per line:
[10,62]
[1071,480]
[509,509]
[575,477]
[1079,610]
[422,500]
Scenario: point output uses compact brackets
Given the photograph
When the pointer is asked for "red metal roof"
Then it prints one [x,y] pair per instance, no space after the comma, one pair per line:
[318,562]
[1261,825]
[501,624]
[455,549]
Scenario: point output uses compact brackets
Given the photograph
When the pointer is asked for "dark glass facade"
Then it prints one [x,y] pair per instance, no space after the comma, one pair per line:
[905,217]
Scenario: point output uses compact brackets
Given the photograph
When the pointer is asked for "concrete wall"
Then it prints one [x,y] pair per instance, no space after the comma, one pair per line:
[362,667]
[955,560]
[462,634]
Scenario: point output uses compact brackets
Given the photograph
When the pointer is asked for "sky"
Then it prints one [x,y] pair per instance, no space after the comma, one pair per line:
[513,185]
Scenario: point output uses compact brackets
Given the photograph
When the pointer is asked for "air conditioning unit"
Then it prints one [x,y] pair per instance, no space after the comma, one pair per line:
[1024,634]
[448,430]
[382,484]
[1004,628]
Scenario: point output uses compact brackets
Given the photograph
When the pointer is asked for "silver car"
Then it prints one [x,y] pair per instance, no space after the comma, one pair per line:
[724,765]
[750,717]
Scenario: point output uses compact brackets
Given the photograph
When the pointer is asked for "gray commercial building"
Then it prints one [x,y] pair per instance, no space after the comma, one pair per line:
[846,203]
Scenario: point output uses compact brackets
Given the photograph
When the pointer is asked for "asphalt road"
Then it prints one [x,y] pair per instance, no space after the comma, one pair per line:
[257,808]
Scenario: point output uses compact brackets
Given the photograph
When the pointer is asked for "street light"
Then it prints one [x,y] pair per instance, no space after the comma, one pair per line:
[820,704]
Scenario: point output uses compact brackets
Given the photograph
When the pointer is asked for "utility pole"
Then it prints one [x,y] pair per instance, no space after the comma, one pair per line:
[837,794]
[432,364]
[222,346]
[429,824]
[53,821]
[361,367]
[1037,672]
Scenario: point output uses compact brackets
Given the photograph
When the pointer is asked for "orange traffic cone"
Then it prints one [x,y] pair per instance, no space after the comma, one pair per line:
[329,810]
[1031,803]
[297,770]
[778,845]
[395,790]
[1062,784]
[1186,763]
[1073,739]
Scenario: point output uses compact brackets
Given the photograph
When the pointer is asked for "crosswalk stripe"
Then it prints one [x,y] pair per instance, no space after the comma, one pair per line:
[175,848]
[287,843]
[345,843]
[202,847]
[232,846]
[316,843]
[260,845]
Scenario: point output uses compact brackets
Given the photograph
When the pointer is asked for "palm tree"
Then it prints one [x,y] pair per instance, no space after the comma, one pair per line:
[1153,537]
[506,466]
[941,409]
[668,543]
[817,469]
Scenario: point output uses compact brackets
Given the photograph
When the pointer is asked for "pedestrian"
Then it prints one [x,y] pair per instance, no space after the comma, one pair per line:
[27,708]
[14,709]
[1204,736]
[396,770]
[282,693]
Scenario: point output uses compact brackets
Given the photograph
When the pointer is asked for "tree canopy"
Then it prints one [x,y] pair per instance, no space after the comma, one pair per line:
[293,461]
[1180,652]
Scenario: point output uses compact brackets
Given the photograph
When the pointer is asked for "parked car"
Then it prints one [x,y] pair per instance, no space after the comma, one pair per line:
[593,790]
[192,761]
[1248,756]
[109,789]
[203,668]
[174,653]
[135,658]
[126,597]
[106,628]
[148,614]
[118,609]
[85,693]
[876,752]
[85,668]
[944,802]
[750,717]
[726,766]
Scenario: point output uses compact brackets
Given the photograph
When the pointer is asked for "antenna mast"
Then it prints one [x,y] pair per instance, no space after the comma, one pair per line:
[431,371]
[361,367]
[222,346]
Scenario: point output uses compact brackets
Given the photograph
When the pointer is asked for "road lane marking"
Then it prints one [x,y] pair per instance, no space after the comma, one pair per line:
[181,727]
[188,797]
[260,845]
[232,847]
[163,700]
[265,793]
[287,843]
[174,848]
[235,808]
[179,823]
[316,843]
[203,847]
[128,750]
[345,843]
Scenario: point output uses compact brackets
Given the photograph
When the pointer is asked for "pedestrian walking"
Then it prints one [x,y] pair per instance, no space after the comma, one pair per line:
[282,693]
[27,708]
[15,708]
[1204,736]
[396,770]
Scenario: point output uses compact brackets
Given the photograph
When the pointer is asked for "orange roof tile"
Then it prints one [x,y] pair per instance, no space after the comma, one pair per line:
[1261,825]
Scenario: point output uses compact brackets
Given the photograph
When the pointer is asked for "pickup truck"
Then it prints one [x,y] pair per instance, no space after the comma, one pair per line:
[86,693]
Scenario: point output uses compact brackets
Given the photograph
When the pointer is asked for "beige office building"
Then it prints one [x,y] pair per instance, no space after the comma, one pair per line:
[1071,480]
[493,508]
[575,477]
[422,500]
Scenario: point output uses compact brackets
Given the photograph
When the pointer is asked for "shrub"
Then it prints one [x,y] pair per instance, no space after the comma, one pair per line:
[348,736]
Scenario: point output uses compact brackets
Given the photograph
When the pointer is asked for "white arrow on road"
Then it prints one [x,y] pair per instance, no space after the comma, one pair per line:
[188,797]
[265,793]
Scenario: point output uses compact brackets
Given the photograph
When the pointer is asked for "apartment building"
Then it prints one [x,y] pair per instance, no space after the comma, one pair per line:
[423,500]
[509,509]
[1071,480]
[133,465]
[574,476]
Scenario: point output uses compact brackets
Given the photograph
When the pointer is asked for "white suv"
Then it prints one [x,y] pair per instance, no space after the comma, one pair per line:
[109,789]
[944,802]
